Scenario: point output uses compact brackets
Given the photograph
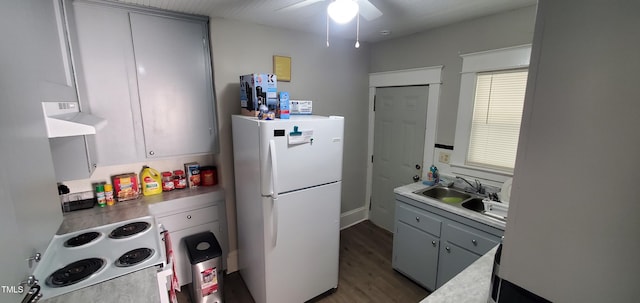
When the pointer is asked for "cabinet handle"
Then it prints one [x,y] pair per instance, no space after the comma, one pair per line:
[475,243]
[448,249]
[189,217]
[152,153]
[418,219]
[434,243]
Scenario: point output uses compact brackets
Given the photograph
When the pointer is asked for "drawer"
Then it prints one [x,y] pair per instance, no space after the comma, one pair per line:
[189,218]
[419,219]
[469,238]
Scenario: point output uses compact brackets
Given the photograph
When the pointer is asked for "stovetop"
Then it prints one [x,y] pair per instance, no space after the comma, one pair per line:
[87,257]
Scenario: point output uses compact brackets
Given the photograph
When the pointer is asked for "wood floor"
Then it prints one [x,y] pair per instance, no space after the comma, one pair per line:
[365,272]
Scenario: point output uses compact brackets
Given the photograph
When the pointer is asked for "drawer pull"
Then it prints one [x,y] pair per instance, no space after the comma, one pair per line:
[448,249]
[189,217]
[434,243]
[418,219]
[475,243]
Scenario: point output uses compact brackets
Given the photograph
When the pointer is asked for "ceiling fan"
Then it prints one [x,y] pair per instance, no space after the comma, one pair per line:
[343,11]
[366,9]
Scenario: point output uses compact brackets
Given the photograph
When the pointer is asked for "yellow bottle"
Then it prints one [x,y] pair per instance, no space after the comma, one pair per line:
[151,181]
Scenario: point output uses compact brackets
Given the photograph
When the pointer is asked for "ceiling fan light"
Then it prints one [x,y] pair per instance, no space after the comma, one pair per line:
[342,11]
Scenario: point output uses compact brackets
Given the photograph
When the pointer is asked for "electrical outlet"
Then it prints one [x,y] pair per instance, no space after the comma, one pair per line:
[444,157]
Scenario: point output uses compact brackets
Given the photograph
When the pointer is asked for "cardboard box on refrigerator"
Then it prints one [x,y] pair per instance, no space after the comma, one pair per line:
[301,107]
[283,106]
[257,90]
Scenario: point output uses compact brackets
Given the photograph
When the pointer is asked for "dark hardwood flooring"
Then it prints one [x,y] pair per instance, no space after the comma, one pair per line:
[365,272]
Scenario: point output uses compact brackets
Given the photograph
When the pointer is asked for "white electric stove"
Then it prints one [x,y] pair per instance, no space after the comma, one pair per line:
[84,258]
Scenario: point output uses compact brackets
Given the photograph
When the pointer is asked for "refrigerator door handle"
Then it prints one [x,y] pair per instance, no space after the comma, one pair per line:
[274,169]
[274,222]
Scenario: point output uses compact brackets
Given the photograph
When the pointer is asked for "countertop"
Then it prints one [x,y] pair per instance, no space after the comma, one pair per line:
[408,191]
[469,286]
[140,286]
[126,210]
[137,287]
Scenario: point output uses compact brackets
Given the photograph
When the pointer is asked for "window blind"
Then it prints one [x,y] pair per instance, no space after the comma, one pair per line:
[497,113]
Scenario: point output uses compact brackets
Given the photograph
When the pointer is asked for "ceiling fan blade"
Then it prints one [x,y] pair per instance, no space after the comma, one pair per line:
[368,10]
[299,4]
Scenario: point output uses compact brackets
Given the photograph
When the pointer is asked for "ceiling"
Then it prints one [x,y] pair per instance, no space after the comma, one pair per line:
[401,17]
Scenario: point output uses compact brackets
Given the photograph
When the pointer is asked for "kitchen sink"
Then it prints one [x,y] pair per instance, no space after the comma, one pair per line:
[446,195]
[474,204]
[457,198]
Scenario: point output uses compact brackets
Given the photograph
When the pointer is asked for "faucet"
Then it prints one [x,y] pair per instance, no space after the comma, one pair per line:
[477,187]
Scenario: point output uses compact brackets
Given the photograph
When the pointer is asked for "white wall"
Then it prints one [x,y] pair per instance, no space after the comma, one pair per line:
[573,233]
[104,173]
[443,46]
[335,78]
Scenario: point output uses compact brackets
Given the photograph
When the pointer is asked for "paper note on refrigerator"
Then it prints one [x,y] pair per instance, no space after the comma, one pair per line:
[301,137]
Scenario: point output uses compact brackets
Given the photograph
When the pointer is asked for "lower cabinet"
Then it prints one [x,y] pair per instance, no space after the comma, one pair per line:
[453,260]
[186,216]
[431,245]
[415,254]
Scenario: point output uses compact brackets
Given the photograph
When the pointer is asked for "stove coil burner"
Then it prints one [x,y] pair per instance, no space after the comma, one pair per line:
[75,272]
[81,239]
[134,257]
[129,230]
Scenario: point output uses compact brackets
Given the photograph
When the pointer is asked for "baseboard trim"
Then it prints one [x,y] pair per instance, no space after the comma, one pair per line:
[353,217]
[232,261]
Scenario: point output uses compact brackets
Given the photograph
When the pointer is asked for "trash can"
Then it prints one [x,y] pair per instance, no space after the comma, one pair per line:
[205,255]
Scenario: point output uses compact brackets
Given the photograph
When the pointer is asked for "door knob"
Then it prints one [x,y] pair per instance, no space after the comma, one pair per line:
[418,166]
[416,178]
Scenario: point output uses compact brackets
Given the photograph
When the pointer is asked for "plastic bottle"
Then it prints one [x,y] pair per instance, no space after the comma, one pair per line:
[434,174]
[108,194]
[102,201]
[151,181]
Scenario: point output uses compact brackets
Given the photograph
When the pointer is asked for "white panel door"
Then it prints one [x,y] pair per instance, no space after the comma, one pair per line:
[302,165]
[399,130]
[303,229]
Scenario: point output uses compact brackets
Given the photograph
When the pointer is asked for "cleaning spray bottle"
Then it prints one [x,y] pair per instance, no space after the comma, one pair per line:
[151,181]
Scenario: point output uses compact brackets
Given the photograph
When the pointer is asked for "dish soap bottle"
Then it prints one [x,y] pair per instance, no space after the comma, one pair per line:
[435,175]
[151,181]
[432,176]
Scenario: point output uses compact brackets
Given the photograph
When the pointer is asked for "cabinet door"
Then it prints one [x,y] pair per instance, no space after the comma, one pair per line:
[453,260]
[56,79]
[103,54]
[174,83]
[415,253]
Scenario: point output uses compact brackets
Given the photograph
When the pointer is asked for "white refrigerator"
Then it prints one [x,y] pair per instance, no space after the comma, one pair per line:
[288,176]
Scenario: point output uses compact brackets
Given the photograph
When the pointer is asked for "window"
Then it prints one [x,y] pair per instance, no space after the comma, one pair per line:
[492,88]
[495,124]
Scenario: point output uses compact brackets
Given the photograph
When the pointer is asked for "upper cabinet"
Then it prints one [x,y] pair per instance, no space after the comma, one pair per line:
[57,82]
[174,85]
[148,73]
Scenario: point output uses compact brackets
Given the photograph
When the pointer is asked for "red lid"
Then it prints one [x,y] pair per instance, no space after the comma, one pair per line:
[178,172]
[166,174]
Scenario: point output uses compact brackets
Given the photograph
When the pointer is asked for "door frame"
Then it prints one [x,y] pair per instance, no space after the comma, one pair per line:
[430,76]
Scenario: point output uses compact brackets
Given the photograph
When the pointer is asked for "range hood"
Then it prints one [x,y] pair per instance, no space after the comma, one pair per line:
[64,119]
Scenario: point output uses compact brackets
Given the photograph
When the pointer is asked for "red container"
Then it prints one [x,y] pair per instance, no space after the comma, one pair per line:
[167,181]
[179,179]
[209,175]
